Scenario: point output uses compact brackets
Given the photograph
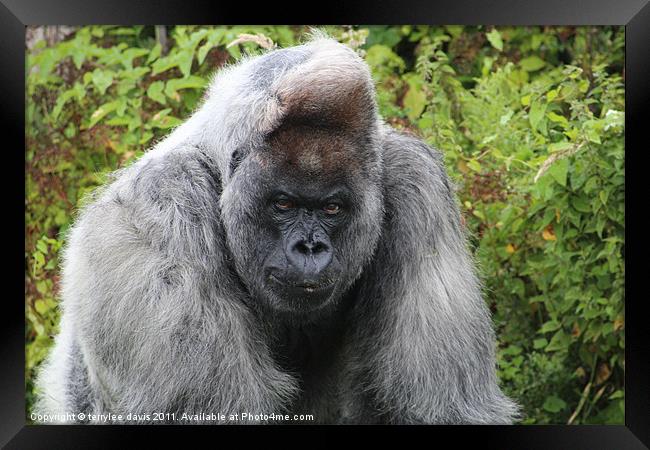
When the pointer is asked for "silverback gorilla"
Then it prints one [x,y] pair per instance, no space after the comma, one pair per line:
[282,252]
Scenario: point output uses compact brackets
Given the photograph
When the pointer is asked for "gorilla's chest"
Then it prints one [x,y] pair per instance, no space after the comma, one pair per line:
[316,357]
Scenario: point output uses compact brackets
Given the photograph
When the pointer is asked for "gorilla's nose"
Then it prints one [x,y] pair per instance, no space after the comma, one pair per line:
[310,256]
[310,248]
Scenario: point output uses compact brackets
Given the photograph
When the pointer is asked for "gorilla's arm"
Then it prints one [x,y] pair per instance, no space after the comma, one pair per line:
[153,311]
[427,344]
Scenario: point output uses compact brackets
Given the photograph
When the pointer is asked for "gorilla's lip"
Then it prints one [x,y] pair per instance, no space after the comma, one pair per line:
[304,286]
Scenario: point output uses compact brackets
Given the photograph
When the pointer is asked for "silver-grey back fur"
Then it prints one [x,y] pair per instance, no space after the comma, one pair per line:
[155,316]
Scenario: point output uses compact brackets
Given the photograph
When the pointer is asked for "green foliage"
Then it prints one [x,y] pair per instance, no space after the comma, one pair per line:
[531,124]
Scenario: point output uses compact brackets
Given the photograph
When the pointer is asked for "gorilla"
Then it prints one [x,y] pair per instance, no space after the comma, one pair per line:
[282,252]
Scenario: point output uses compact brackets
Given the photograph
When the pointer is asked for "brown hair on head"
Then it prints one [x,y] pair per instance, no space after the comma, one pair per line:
[312,149]
[332,89]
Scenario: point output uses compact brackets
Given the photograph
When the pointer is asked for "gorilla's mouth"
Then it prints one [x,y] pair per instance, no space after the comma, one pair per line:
[303,296]
[304,287]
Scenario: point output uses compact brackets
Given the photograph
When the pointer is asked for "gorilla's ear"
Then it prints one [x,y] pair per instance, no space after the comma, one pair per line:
[427,332]
[235,160]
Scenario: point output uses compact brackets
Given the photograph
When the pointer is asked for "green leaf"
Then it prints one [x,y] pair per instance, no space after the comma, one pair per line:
[495,39]
[129,55]
[154,53]
[40,306]
[102,111]
[551,325]
[558,119]
[382,58]
[532,63]
[164,64]
[554,404]
[426,122]
[536,113]
[42,286]
[474,165]
[146,137]
[176,84]
[617,394]
[614,119]
[155,92]
[540,343]
[214,39]
[504,119]
[97,31]
[453,30]
[60,103]
[580,204]
[78,57]
[42,246]
[185,63]
[559,341]
[603,197]
[122,103]
[559,170]
[572,133]
[559,146]
[39,259]
[415,100]
[119,121]
[512,349]
[162,119]
[593,129]
[102,79]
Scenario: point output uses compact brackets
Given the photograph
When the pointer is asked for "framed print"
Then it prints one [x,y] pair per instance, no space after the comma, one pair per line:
[405,215]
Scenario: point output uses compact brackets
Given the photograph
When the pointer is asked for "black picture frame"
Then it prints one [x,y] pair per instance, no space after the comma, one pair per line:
[15,15]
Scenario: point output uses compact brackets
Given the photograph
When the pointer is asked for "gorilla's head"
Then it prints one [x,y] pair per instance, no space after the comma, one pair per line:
[302,207]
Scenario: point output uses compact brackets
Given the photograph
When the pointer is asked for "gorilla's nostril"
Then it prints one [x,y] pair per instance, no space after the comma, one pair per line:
[319,247]
[307,248]
[302,247]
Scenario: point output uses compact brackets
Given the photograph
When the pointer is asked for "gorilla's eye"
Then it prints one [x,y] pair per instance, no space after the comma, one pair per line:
[332,208]
[283,203]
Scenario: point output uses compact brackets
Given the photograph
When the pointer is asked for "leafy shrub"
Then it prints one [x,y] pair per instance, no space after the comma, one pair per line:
[531,123]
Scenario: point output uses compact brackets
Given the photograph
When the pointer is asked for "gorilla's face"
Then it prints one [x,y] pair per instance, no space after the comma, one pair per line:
[302,217]
[302,265]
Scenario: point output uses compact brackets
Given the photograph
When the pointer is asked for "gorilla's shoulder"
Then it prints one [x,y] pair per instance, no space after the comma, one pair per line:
[409,161]
[186,169]
[406,146]
[179,185]
[162,177]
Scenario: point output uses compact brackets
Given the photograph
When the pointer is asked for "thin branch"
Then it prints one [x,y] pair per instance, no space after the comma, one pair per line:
[555,157]
[161,37]
[581,403]
[594,401]
[259,39]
